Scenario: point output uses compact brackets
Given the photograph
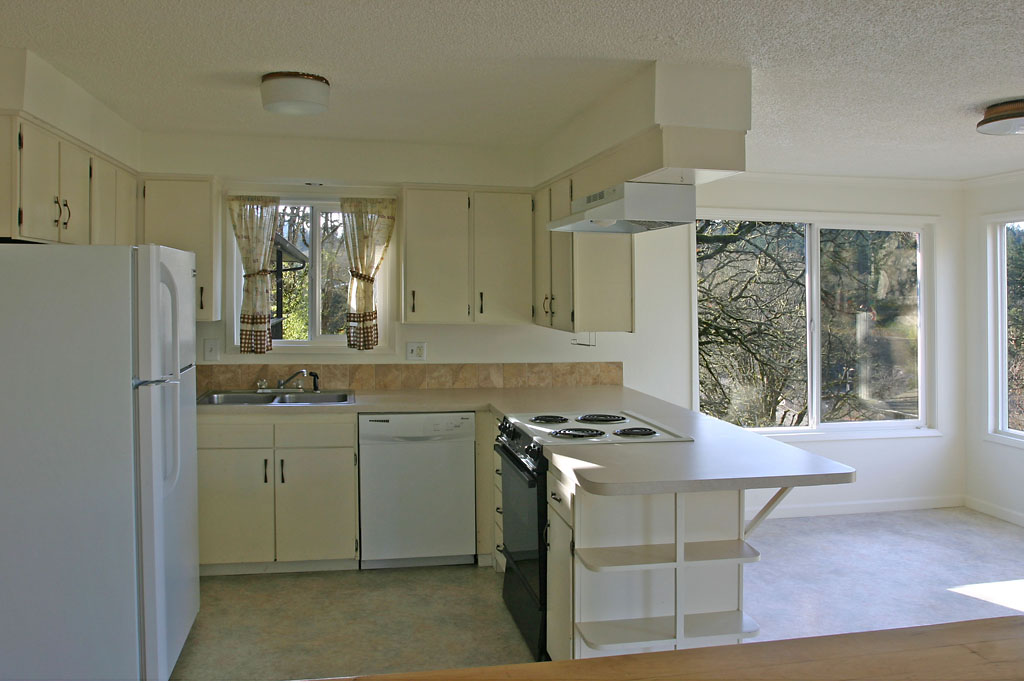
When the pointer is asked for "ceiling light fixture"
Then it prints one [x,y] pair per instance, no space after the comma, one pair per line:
[294,92]
[1005,118]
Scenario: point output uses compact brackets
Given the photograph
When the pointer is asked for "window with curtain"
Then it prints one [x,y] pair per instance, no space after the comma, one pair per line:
[803,325]
[310,302]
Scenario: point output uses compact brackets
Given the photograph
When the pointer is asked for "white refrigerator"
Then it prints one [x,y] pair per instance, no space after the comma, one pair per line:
[99,572]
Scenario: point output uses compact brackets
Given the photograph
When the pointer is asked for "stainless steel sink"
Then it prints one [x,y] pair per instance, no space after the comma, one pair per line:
[276,397]
[336,397]
[235,398]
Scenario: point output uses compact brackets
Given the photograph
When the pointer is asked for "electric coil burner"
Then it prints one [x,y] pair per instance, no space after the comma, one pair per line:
[635,431]
[549,419]
[600,418]
[577,433]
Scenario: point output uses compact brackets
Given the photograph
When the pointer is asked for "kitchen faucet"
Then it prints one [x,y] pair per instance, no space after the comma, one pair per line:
[281,384]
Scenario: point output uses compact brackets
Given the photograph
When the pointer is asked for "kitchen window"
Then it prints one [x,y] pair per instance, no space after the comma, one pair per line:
[310,294]
[806,325]
[1006,295]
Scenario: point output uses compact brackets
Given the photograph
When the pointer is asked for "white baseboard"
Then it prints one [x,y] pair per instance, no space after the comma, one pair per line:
[276,567]
[855,507]
[995,510]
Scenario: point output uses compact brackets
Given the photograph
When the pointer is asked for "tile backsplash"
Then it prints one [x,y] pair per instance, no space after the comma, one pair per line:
[381,377]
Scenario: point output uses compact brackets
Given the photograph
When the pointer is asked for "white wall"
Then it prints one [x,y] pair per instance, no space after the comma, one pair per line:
[995,470]
[297,160]
[29,84]
[900,473]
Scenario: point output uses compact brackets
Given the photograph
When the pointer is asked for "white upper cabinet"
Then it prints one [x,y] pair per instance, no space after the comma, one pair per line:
[113,204]
[502,246]
[466,257]
[437,256]
[185,214]
[542,257]
[54,187]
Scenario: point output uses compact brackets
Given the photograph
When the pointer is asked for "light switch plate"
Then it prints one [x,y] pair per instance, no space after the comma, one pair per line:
[211,349]
[416,351]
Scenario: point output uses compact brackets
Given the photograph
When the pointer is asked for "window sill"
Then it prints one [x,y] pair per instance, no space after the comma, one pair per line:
[319,350]
[1005,439]
[856,434]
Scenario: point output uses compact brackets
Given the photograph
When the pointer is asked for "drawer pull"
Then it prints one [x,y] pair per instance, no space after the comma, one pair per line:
[499,547]
[555,496]
[498,510]
[282,470]
[498,472]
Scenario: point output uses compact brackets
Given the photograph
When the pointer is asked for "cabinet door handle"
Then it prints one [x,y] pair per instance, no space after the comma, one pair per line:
[498,510]
[481,302]
[414,301]
[544,306]
[68,207]
[498,472]
[282,470]
[556,498]
[265,463]
[201,292]
[60,211]
[551,308]
[499,547]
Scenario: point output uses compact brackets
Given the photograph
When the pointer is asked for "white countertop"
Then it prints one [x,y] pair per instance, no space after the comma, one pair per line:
[720,457]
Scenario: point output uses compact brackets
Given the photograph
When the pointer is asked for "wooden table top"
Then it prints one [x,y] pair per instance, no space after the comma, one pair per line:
[984,649]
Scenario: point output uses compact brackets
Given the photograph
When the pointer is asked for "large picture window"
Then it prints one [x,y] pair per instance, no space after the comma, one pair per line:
[802,325]
[1009,327]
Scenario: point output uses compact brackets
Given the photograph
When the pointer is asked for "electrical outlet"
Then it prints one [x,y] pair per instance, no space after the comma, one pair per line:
[211,349]
[416,350]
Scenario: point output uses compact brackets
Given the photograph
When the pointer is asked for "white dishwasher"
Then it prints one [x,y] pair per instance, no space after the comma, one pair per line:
[417,489]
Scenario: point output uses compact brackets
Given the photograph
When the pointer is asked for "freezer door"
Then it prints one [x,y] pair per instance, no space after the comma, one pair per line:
[166,416]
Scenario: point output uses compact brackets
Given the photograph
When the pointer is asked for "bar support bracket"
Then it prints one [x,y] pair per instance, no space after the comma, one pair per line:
[766,510]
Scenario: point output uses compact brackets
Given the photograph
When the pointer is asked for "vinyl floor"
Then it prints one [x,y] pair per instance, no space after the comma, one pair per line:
[817,576]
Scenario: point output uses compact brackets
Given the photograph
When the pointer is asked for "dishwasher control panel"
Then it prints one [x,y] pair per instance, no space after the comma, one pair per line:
[416,426]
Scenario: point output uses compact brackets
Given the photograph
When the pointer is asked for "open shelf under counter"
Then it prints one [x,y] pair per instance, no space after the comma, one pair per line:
[620,633]
[733,550]
[730,623]
[663,555]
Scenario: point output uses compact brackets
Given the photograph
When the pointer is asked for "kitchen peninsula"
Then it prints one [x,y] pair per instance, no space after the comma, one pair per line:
[647,541]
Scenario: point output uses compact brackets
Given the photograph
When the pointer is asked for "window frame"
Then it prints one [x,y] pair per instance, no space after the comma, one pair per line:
[816,430]
[998,375]
[386,282]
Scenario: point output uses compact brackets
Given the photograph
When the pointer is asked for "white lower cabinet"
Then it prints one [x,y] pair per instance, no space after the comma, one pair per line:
[559,598]
[313,519]
[236,505]
[282,492]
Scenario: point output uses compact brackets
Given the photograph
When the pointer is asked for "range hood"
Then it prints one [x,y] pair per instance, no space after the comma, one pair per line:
[631,207]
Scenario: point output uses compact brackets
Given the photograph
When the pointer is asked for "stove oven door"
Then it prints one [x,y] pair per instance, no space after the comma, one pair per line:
[524,517]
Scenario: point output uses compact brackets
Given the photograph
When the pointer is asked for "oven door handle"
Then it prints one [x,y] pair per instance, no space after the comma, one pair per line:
[517,465]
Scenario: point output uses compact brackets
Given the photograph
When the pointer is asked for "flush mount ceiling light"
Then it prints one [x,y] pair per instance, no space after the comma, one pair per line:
[1005,118]
[294,92]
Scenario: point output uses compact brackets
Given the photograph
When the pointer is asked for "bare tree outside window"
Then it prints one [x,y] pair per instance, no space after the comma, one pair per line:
[752,320]
[869,323]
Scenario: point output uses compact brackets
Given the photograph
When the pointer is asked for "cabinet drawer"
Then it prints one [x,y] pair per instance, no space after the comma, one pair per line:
[497,471]
[235,436]
[315,435]
[499,558]
[560,498]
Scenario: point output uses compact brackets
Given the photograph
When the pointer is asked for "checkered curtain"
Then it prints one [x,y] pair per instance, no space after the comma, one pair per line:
[254,220]
[368,225]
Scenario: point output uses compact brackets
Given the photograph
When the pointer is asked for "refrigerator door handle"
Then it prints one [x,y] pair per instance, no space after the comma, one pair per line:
[172,286]
[136,383]
[171,478]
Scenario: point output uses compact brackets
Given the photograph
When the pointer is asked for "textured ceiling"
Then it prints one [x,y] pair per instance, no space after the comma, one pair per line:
[841,87]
